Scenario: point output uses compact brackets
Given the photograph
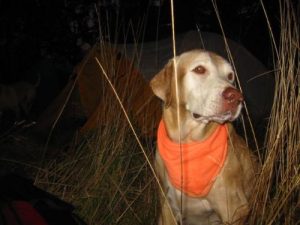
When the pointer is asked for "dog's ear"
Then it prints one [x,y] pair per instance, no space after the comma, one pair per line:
[161,83]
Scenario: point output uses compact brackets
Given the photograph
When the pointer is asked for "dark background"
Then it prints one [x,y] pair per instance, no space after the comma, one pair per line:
[48,38]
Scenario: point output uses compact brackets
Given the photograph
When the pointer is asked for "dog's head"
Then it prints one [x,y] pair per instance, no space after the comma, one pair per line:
[205,84]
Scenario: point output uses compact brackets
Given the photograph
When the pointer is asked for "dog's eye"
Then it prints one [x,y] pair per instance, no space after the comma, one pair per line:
[230,76]
[199,70]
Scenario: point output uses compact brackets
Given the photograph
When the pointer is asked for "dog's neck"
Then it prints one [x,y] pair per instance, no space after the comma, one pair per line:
[190,130]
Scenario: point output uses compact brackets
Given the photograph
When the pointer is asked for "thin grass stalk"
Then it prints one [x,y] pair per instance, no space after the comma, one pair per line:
[177,103]
[215,6]
[132,128]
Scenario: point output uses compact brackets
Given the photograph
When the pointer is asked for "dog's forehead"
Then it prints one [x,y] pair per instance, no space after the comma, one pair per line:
[194,58]
[220,62]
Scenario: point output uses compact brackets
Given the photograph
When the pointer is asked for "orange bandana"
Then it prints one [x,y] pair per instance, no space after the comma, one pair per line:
[201,161]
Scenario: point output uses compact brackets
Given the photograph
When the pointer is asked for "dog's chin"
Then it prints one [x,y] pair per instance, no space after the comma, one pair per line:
[219,118]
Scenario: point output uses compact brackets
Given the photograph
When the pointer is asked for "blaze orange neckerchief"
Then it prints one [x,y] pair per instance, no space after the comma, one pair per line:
[201,161]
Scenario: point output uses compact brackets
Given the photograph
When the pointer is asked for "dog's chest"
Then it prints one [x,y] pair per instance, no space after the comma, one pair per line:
[188,204]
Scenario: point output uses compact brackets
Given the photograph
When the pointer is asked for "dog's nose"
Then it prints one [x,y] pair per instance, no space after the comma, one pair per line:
[232,96]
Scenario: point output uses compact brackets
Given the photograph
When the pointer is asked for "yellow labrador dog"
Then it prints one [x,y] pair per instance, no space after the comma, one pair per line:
[206,169]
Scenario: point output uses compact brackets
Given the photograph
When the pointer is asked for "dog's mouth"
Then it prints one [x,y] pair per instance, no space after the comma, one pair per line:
[220,118]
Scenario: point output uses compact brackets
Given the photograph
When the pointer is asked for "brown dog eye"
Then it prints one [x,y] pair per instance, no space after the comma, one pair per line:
[230,76]
[199,70]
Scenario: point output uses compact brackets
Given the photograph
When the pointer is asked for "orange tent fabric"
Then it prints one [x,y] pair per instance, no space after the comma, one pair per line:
[98,100]
[88,95]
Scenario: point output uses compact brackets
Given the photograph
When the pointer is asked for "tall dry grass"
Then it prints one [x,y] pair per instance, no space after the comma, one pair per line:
[105,174]
[276,199]
[106,178]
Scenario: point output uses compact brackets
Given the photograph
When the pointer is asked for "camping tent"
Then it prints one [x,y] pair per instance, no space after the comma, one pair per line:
[88,94]
[130,66]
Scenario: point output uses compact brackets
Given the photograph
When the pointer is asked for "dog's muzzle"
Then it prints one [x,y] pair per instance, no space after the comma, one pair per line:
[231,104]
